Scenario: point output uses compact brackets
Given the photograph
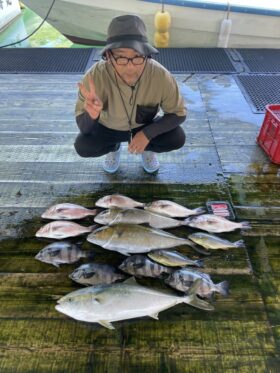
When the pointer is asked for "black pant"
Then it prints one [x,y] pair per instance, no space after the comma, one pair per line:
[103,140]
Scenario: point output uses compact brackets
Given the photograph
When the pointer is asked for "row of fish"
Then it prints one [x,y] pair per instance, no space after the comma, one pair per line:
[106,300]
[136,265]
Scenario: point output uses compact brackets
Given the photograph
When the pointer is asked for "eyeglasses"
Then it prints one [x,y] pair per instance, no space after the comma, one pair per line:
[123,61]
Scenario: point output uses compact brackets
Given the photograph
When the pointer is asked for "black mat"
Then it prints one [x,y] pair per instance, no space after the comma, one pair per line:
[195,60]
[261,60]
[46,60]
[260,90]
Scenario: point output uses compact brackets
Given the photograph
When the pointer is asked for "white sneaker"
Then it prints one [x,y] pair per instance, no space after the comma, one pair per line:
[112,161]
[150,162]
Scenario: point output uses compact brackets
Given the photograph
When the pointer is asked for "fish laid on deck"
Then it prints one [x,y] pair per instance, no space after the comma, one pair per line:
[172,209]
[135,239]
[136,216]
[96,274]
[105,304]
[117,200]
[183,279]
[67,211]
[173,259]
[215,224]
[141,266]
[61,229]
[61,252]
[209,241]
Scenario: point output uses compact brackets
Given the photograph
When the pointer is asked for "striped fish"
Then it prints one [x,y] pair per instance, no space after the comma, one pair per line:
[96,274]
[62,252]
[183,279]
[141,266]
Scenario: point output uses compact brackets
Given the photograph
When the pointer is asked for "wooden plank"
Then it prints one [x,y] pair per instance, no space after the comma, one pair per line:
[33,296]
[126,360]
[90,170]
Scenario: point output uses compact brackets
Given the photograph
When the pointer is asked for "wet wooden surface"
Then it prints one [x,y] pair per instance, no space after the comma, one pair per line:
[220,161]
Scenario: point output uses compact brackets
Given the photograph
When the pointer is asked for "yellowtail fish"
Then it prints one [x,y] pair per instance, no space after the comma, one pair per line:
[136,216]
[61,229]
[209,241]
[135,239]
[105,304]
[67,211]
[172,209]
[117,200]
[173,259]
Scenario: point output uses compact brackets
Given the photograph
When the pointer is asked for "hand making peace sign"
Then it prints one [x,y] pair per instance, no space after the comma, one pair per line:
[93,105]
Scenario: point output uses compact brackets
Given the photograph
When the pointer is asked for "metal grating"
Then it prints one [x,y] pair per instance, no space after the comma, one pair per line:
[260,90]
[195,60]
[261,60]
[45,60]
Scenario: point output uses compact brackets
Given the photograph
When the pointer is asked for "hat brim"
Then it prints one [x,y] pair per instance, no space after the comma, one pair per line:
[145,49]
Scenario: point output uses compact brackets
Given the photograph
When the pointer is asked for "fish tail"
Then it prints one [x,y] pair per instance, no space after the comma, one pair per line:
[93,212]
[196,302]
[199,210]
[245,225]
[223,288]
[199,263]
[92,227]
[89,254]
[239,243]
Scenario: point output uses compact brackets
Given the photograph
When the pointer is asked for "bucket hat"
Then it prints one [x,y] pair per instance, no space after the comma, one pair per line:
[128,31]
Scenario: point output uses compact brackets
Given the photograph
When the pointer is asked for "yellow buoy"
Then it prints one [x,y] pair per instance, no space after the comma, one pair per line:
[162,21]
[161,39]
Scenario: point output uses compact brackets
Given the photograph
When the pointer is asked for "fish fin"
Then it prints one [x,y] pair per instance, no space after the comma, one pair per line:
[154,316]
[194,289]
[123,252]
[196,302]
[245,225]
[56,265]
[199,210]
[239,243]
[130,281]
[223,288]
[106,324]
[197,248]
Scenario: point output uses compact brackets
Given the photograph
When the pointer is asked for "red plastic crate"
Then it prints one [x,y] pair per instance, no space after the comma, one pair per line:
[269,136]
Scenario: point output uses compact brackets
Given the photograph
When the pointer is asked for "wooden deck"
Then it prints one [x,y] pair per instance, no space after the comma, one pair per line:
[220,161]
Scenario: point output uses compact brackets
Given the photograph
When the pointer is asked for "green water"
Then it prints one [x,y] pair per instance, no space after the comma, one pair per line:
[25,24]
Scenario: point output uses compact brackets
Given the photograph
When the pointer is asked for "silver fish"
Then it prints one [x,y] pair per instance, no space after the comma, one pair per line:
[173,259]
[67,211]
[172,209]
[215,224]
[61,252]
[105,304]
[184,278]
[62,229]
[117,200]
[136,216]
[209,241]
[141,266]
[96,274]
[135,239]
